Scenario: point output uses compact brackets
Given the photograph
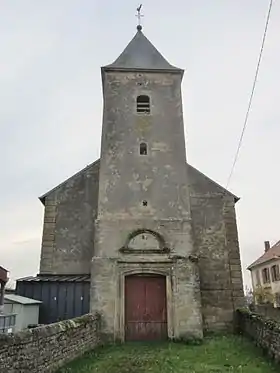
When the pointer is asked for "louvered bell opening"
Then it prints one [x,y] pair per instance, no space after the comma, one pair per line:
[143,104]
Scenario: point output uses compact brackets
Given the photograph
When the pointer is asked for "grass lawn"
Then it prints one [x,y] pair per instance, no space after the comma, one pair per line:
[218,354]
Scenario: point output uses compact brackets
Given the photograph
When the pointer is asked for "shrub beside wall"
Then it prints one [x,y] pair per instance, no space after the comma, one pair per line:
[263,331]
[47,348]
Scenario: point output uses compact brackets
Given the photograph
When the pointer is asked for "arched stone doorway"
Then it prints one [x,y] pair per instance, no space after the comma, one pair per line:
[145,307]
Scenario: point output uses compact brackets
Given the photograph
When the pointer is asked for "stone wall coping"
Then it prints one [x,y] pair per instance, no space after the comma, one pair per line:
[28,335]
[256,317]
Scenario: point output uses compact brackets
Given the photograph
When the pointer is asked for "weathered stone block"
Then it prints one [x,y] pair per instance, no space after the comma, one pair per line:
[48,237]
[49,210]
[49,226]
[49,219]
[47,245]
[50,202]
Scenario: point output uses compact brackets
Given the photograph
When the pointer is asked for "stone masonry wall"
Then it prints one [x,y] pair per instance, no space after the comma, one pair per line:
[144,192]
[216,244]
[213,262]
[111,265]
[263,331]
[127,179]
[68,232]
[47,348]
[232,247]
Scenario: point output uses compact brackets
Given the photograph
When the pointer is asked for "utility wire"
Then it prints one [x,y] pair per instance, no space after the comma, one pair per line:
[251,96]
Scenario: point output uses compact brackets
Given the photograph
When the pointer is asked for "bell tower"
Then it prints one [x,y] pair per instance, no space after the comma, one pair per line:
[143,163]
[143,186]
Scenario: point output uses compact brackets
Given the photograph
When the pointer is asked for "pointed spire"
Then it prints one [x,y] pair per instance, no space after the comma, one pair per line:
[139,54]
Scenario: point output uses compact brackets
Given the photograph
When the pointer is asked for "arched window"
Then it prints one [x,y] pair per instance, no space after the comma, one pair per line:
[143,149]
[143,104]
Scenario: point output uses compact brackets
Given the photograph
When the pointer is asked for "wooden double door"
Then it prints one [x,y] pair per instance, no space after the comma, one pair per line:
[145,308]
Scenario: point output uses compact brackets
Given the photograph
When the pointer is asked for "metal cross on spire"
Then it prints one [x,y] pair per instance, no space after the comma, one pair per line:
[139,15]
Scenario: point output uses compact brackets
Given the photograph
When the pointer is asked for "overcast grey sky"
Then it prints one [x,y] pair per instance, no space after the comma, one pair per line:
[51,103]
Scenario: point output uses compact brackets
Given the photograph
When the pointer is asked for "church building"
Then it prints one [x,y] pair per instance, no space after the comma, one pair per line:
[154,239]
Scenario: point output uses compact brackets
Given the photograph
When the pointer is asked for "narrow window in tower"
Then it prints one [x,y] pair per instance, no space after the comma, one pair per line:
[143,104]
[143,149]
[145,203]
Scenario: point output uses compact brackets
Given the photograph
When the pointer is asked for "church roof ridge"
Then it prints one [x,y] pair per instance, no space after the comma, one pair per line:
[141,54]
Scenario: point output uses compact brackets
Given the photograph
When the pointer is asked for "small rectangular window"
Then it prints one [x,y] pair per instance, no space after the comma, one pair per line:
[143,149]
[275,274]
[258,280]
[265,275]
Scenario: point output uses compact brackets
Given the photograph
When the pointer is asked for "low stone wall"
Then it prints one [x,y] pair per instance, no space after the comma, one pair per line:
[47,348]
[267,310]
[263,331]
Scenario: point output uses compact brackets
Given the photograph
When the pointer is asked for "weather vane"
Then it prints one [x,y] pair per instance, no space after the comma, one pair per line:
[139,15]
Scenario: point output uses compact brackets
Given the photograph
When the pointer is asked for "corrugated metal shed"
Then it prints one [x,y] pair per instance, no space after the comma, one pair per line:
[63,296]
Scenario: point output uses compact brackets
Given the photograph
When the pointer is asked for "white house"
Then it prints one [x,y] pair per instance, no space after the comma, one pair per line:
[265,275]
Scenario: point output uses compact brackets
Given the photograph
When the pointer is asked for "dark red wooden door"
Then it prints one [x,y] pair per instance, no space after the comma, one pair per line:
[145,308]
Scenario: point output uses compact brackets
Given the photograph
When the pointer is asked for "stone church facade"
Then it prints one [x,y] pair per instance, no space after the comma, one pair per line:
[157,237]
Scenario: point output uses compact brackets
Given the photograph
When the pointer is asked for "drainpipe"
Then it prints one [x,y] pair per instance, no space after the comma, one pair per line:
[2,292]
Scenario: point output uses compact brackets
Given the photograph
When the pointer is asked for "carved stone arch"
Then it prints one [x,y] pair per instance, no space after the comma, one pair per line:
[144,241]
[146,271]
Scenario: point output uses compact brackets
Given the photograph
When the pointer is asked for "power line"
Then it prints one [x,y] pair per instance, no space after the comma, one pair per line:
[251,96]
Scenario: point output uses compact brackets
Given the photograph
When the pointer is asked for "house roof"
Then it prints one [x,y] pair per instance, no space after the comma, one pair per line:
[56,278]
[272,253]
[4,269]
[141,54]
[96,163]
[21,300]
[3,275]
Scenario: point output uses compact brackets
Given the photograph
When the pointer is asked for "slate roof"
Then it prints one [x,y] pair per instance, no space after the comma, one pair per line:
[139,54]
[55,278]
[272,253]
[21,300]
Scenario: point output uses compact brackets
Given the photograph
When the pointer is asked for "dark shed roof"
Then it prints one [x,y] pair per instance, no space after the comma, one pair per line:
[55,278]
